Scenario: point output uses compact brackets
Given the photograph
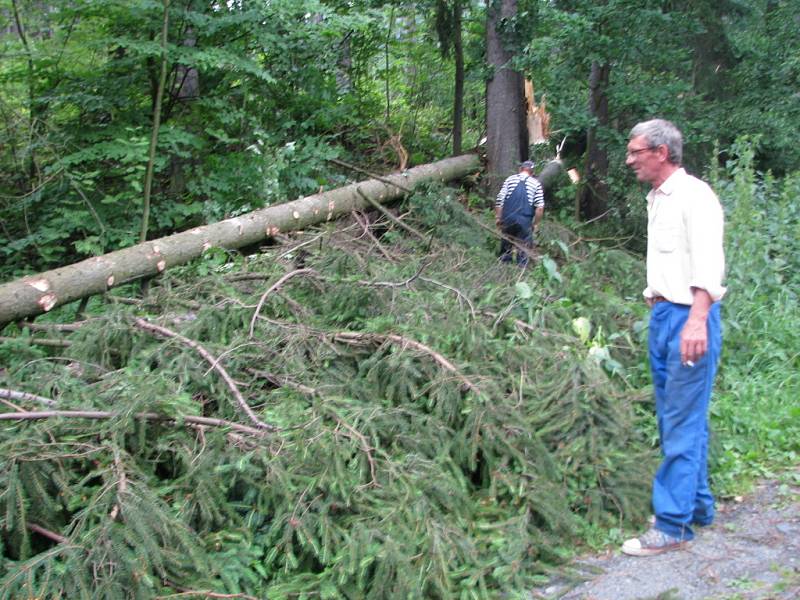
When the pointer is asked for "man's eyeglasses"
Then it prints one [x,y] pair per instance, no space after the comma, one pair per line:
[640,150]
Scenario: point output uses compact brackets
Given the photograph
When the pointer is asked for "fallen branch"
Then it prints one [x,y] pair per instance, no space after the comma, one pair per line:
[190,420]
[351,337]
[25,396]
[69,327]
[346,165]
[163,331]
[461,295]
[395,284]
[283,382]
[365,226]
[186,593]
[365,448]
[38,341]
[272,288]
[46,533]
[123,484]
[391,217]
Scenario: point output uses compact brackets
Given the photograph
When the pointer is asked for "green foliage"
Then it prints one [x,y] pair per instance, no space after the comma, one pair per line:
[441,437]
[756,408]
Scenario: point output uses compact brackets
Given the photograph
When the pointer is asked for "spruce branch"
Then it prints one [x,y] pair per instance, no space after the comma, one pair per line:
[461,295]
[189,420]
[272,288]
[352,337]
[163,331]
[365,447]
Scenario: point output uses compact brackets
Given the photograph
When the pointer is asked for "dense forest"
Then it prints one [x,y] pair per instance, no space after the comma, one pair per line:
[369,405]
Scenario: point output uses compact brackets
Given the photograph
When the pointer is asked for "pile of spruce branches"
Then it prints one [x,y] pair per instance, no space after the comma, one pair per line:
[376,408]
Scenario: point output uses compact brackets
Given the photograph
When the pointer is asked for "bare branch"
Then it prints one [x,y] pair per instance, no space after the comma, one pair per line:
[272,288]
[365,226]
[122,486]
[25,397]
[189,420]
[38,341]
[46,533]
[69,327]
[391,217]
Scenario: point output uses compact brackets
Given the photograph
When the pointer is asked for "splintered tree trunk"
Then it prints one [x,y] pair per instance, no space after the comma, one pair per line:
[506,130]
[40,293]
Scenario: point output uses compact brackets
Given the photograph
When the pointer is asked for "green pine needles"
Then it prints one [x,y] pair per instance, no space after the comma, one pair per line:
[408,419]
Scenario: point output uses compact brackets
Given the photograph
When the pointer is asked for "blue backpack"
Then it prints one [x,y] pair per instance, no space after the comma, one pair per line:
[516,208]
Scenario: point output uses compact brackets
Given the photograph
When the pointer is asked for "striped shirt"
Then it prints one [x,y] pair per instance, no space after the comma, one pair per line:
[532,187]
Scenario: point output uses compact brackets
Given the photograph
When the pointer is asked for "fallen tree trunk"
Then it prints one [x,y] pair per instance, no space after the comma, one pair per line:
[40,293]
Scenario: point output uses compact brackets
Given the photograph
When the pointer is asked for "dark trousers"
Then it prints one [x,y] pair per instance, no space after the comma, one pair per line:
[681,495]
[522,235]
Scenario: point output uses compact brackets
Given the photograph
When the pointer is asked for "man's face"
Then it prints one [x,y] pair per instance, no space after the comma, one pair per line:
[644,159]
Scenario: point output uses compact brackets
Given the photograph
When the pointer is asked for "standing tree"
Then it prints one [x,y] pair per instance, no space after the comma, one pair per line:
[448,28]
[506,132]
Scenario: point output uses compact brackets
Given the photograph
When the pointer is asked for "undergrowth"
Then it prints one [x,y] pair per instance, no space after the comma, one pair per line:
[414,419]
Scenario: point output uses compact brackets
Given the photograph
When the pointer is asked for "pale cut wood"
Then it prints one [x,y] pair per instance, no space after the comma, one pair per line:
[40,293]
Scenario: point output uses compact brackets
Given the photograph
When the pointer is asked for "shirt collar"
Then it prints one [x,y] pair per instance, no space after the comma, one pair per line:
[666,188]
[671,182]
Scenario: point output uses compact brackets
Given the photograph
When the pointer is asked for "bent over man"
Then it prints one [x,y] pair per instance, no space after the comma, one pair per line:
[518,210]
[685,268]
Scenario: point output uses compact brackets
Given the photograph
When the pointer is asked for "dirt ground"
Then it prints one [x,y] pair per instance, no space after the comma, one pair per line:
[752,551]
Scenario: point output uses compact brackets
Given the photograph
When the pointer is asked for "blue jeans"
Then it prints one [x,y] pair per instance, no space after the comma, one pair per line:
[522,234]
[681,495]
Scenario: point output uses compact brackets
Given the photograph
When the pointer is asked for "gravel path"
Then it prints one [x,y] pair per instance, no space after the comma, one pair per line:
[751,552]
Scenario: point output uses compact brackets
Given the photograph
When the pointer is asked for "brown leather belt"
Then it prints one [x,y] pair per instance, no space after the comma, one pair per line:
[657,299]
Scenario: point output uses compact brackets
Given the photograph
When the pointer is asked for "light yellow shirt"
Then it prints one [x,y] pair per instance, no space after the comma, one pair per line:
[684,240]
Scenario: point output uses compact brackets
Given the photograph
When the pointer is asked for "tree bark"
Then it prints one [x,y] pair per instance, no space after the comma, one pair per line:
[506,131]
[458,92]
[40,293]
[151,154]
[593,195]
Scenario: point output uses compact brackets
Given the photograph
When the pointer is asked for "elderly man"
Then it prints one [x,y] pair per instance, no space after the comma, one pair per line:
[685,267]
[518,210]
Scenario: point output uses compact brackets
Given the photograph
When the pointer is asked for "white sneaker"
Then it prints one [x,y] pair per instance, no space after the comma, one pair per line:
[651,543]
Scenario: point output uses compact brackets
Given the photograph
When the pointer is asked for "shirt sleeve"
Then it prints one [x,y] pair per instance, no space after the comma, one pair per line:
[535,192]
[705,225]
[501,197]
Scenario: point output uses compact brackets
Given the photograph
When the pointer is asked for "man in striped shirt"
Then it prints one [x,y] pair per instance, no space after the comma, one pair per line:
[518,210]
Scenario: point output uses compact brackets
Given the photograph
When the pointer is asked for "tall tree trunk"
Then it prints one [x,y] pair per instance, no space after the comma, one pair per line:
[40,293]
[506,132]
[151,159]
[32,100]
[386,65]
[593,196]
[458,92]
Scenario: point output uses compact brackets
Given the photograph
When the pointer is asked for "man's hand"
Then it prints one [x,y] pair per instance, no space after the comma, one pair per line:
[694,340]
[694,335]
